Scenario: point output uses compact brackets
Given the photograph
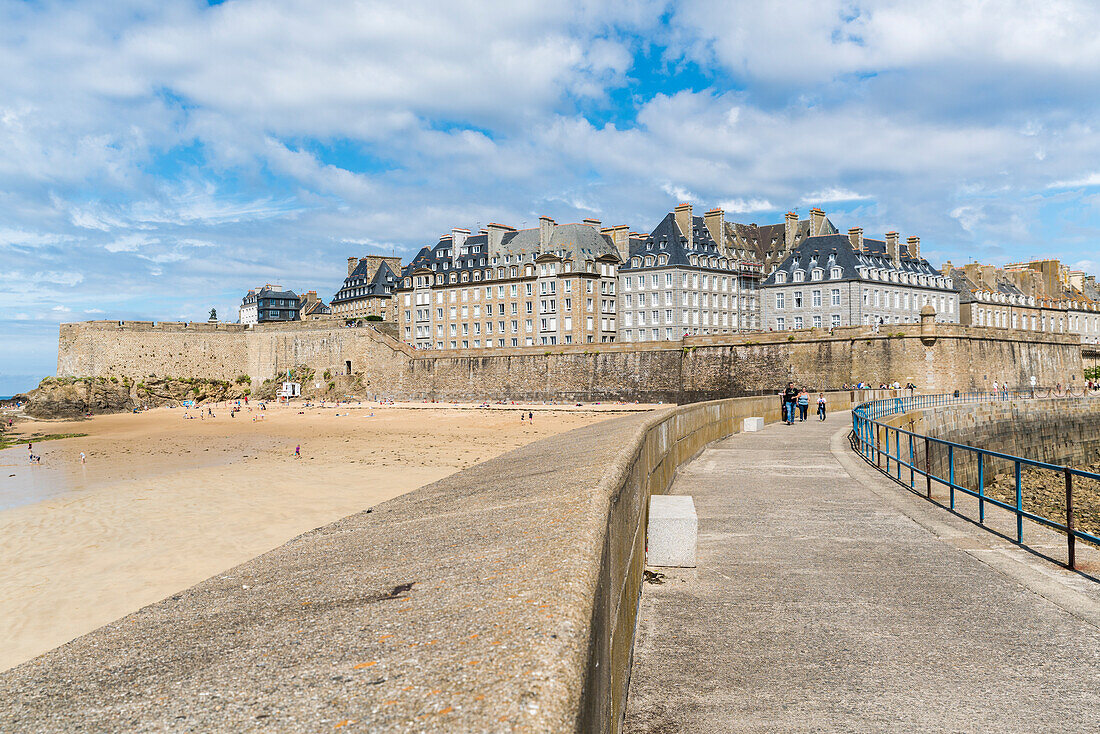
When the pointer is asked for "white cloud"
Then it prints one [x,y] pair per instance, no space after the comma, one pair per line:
[835,193]
[744,206]
[130,243]
[678,192]
[1091,179]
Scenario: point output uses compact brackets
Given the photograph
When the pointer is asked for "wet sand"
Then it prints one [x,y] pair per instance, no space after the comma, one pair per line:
[164,503]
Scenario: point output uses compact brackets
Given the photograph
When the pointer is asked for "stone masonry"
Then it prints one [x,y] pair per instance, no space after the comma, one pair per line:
[696,368]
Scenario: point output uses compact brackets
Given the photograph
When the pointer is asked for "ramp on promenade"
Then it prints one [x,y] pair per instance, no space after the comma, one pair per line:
[828,598]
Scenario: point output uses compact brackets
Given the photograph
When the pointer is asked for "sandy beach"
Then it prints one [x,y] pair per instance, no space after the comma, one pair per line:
[164,502]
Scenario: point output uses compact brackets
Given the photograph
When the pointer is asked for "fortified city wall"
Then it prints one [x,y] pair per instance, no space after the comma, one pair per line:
[1064,431]
[936,357]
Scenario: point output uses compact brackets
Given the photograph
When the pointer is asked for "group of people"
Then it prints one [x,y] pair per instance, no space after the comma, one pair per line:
[796,401]
[895,385]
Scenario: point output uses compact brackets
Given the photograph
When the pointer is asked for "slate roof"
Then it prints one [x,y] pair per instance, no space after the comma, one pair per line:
[265,292]
[836,250]
[382,283]
[578,242]
[768,243]
[667,239]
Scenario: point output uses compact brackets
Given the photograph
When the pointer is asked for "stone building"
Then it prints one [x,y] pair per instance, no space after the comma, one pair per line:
[368,289]
[507,288]
[831,280]
[313,308]
[769,244]
[685,278]
[1042,296]
[269,304]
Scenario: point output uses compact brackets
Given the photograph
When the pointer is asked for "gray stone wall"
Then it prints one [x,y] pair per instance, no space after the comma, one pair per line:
[696,368]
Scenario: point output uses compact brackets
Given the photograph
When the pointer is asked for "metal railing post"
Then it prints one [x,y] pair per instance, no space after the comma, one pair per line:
[951,465]
[981,487]
[1019,507]
[1070,538]
[928,467]
[912,462]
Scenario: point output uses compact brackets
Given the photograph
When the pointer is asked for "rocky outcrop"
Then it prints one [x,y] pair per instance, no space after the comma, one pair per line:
[69,397]
[73,398]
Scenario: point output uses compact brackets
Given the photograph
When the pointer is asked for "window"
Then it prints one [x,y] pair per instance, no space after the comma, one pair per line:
[799,276]
[835,273]
[817,274]
[798,322]
[816,296]
[798,300]
[835,297]
[817,321]
[780,300]
[780,324]
[834,320]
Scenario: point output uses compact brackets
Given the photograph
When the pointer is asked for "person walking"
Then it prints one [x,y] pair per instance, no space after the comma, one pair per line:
[803,405]
[298,451]
[83,458]
[790,395]
[821,406]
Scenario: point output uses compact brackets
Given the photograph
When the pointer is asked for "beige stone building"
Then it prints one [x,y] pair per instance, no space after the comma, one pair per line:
[368,289]
[504,287]
[1041,295]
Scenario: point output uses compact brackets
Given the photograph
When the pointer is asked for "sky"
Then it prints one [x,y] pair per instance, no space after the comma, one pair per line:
[158,158]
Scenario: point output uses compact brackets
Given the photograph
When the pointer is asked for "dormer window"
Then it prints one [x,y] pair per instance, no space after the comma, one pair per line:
[799,276]
[780,277]
[662,259]
[817,274]
[835,273]
[635,262]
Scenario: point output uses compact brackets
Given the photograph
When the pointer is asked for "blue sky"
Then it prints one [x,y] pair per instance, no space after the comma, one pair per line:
[159,158]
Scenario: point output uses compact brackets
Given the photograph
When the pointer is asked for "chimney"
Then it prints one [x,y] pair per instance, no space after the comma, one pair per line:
[715,220]
[892,250]
[684,222]
[458,236]
[855,236]
[593,223]
[353,263]
[790,230]
[546,229]
[496,235]
[817,221]
[913,245]
[620,237]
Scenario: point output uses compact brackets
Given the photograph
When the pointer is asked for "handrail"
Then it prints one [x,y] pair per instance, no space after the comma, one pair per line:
[871,438]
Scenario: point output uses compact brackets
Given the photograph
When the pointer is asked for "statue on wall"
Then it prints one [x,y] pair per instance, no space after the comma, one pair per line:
[213,314]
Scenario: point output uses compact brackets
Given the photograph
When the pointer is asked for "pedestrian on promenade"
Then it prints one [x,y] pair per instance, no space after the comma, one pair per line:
[821,406]
[789,397]
[803,405]
[530,417]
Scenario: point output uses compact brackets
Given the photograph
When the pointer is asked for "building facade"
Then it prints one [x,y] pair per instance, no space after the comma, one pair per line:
[269,304]
[507,288]
[312,307]
[1041,296]
[684,278]
[828,281]
[369,289]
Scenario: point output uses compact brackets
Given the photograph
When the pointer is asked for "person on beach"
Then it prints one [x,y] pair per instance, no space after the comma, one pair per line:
[298,451]
[803,405]
[821,406]
[789,397]
[530,417]
[83,458]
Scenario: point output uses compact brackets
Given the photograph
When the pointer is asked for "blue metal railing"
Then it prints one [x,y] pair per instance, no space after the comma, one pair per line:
[895,451]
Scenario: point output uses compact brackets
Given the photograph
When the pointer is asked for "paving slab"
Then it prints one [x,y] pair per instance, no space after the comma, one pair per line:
[827,598]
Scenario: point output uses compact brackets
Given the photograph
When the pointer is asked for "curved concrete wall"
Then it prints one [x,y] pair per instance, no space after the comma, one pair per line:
[500,598]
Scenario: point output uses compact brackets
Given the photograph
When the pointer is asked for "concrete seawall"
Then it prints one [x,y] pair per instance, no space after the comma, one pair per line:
[501,598]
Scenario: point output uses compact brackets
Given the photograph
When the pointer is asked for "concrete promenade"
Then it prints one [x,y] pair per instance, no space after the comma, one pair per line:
[827,598]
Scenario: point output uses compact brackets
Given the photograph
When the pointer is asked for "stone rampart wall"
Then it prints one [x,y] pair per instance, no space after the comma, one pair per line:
[1063,431]
[697,368]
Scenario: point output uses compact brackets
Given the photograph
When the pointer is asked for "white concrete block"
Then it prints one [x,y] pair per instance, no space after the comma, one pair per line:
[673,531]
[756,423]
